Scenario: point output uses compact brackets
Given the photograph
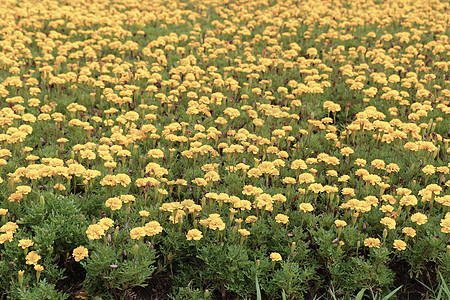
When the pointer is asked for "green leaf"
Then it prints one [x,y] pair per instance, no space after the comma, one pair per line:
[360,294]
[444,285]
[392,293]
[258,290]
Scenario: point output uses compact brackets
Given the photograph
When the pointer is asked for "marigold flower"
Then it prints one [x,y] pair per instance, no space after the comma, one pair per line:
[9,227]
[275,256]
[445,224]
[346,151]
[105,223]
[38,268]
[390,223]
[95,232]
[114,203]
[25,243]
[429,169]
[194,234]
[79,253]
[306,207]
[153,228]
[244,232]
[399,245]
[372,242]
[409,231]
[137,233]
[280,218]
[144,213]
[32,258]
[251,219]
[419,218]
[340,223]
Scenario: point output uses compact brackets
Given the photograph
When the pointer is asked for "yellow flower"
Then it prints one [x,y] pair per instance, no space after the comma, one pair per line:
[38,268]
[251,219]
[122,179]
[244,232]
[409,231]
[445,224]
[137,233]
[390,223]
[346,151]
[408,200]
[306,178]
[280,218]
[127,198]
[194,234]
[360,162]
[306,207]
[153,228]
[316,188]
[372,242]
[9,227]
[95,232]
[106,223]
[25,243]
[215,222]
[419,218]
[32,258]
[399,245]
[429,169]
[177,217]
[144,213]
[79,253]
[6,237]
[340,223]
[114,203]
[275,256]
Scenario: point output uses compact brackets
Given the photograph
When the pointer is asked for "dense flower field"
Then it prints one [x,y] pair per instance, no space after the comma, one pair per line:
[216,149]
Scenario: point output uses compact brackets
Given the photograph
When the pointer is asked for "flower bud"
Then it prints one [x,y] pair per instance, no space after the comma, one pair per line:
[293,246]
[21,277]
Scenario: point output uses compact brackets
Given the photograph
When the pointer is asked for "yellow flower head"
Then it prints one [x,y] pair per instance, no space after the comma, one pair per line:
[372,242]
[419,218]
[32,258]
[275,256]
[153,228]
[244,232]
[95,232]
[306,207]
[280,218]
[137,233]
[79,253]
[25,243]
[340,223]
[399,245]
[194,234]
